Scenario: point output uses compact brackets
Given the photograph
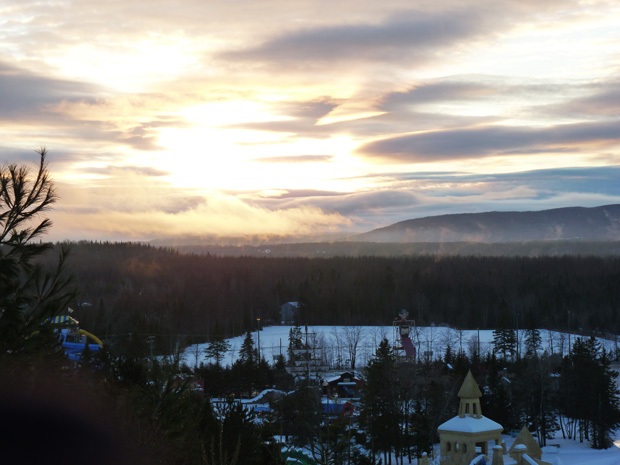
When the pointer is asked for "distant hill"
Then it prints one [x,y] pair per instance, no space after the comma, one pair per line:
[571,223]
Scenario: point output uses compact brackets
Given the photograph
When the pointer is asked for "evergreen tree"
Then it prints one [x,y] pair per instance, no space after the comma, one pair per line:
[242,434]
[29,294]
[217,380]
[380,405]
[533,341]
[447,358]
[247,352]
[295,342]
[298,415]
[283,380]
[245,368]
[497,403]
[606,415]
[504,336]
[589,393]
[535,393]
[504,342]
[217,348]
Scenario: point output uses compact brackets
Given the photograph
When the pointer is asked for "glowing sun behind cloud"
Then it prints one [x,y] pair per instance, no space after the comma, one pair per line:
[213,154]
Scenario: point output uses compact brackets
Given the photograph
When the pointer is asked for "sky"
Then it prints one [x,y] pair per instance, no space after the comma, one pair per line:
[266,117]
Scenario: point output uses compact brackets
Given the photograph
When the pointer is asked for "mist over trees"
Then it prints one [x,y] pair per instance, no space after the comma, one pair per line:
[137,289]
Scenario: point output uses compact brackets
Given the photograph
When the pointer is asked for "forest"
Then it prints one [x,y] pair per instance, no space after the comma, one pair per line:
[127,288]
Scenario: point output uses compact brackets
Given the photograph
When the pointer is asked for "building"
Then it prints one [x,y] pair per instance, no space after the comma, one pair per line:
[464,439]
[345,385]
[288,313]
[467,435]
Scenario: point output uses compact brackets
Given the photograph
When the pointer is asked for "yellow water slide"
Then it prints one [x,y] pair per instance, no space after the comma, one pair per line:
[91,336]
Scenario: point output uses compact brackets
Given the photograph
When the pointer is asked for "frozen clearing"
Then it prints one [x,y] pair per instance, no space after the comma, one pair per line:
[331,342]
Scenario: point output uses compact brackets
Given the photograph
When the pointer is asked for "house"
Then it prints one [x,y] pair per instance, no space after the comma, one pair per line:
[346,385]
[288,313]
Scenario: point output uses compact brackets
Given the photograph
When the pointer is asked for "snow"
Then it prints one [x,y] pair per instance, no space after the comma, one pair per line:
[567,452]
[576,453]
[469,424]
[431,339]
[259,397]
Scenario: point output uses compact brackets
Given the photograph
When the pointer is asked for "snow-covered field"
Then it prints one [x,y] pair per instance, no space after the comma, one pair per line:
[331,343]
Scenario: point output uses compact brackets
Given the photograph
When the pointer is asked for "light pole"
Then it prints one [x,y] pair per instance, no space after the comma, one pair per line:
[258,320]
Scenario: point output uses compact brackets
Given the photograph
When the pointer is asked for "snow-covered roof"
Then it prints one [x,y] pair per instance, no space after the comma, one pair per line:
[260,397]
[469,424]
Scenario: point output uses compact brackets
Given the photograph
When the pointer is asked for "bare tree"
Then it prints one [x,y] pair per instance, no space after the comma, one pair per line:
[449,337]
[337,347]
[353,336]
[474,346]
[430,335]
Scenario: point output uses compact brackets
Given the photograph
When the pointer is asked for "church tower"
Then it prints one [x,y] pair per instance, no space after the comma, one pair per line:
[470,398]
[468,434]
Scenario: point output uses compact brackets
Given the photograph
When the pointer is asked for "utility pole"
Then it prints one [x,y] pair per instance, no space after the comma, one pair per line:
[258,320]
[517,336]
[568,333]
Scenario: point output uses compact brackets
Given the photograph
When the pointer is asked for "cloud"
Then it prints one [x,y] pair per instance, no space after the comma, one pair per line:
[297,118]
[110,87]
[405,36]
[121,172]
[506,99]
[126,120]
[300,194]
[349,204]
[405,196]
[223,216]
[489,141]
[306,110]
[295,159]
[603,101]
[138,203]
[25,94]
[438,91]
[61,110]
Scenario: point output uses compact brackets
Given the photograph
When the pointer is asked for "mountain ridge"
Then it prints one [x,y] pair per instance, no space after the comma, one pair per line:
[567,223]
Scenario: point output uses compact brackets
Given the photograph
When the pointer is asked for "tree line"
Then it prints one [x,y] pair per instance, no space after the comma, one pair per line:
[135,288]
